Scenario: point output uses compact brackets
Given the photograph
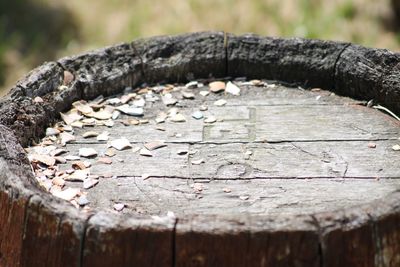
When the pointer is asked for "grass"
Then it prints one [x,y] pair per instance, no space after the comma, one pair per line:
[52,29]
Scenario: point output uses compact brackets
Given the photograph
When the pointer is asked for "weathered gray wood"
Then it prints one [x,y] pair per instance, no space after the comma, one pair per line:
[228,161]
[271,120]
[262,121]
[275,197]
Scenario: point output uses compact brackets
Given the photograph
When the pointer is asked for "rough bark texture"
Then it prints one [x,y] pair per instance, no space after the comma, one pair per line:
[309,63]
[182,58]
[37,229]
[367,74]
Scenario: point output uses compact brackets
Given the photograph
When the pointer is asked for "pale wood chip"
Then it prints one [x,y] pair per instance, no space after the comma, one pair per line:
[87,152]
[154,145]
[68,194]
[121,143]
[217,86]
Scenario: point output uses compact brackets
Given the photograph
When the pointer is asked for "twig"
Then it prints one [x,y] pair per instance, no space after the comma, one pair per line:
[387,111]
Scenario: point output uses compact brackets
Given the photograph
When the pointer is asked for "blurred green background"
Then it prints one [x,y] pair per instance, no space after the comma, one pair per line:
[33,31]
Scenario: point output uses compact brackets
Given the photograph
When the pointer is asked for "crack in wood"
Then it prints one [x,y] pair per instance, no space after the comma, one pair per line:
[261,178]
[160,208]
[82,244]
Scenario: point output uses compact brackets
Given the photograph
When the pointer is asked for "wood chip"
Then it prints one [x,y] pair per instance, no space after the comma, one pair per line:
[104,160]
[70,117]
[82,200]
[203,108]
[169,100]
[119,206]
[78,175]
[71,157]
[217,86]
[178,118]
[154,145]
[58,181]
[121,143]
[231,88]
[100,115]
[143,91]
[197,162]
[57,152]
[77,124]
[140,103]
[197,187]
[204,93]
[110,152]
[210,119]
[145,152]
[104,136]
[126,98]
[66,128]
[78,165]
[227,190]
[45,159]
[130,110]
[133,122]
[113,101]
[197,115]
[161,117]
[67,194]
[220,103]
[249,152]
[52,131]
[90,134]
[192,85]
[115,114]
[96,103]
[256,82]
[244,197]
[61,160]
[109,123]
[87,152]
[87,163]
[82,106]
[371,145]
[66,138]
[89,183]
[188,95]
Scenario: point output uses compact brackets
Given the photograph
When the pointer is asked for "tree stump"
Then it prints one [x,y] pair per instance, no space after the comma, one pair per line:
[312,192]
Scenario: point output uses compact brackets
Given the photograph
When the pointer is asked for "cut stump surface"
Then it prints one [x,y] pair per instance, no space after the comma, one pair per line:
[271,151]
